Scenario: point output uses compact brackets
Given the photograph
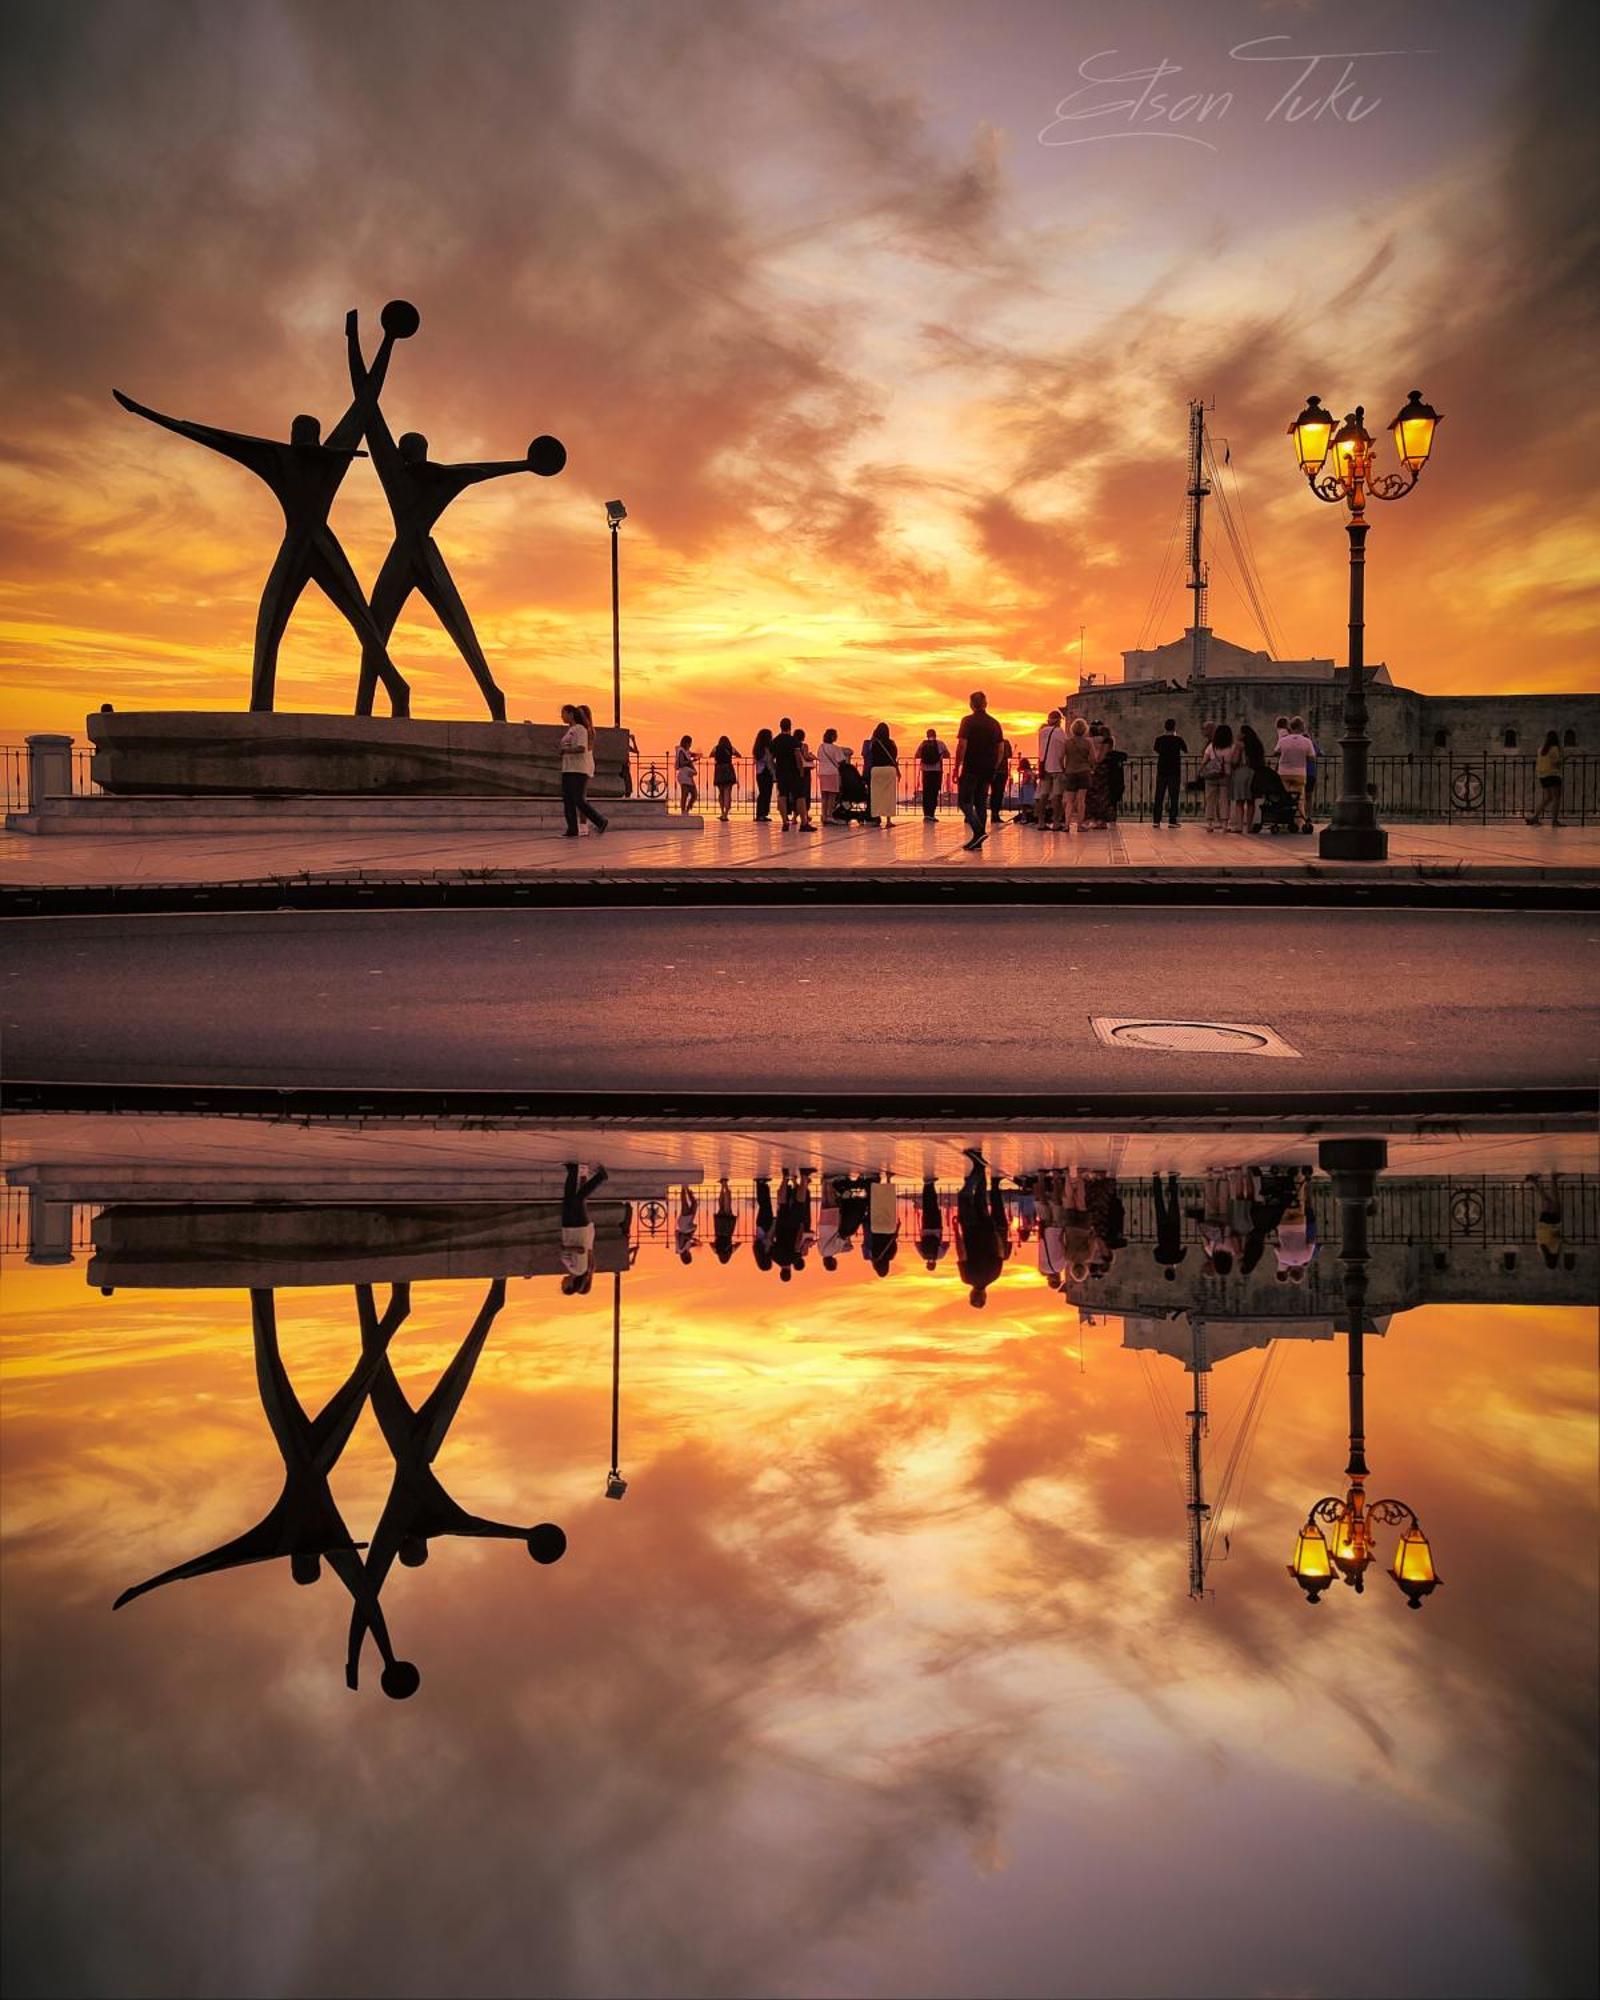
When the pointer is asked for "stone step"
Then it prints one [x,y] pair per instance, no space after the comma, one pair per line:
[155,814]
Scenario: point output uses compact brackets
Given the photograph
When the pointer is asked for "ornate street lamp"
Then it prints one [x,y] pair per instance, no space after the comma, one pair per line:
[1354,1165]
[1353,832]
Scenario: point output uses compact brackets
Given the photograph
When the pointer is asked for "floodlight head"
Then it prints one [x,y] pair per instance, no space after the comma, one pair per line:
[616,513]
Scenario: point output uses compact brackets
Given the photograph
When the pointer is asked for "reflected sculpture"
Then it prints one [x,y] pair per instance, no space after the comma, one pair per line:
[418,491]
[305,476]
[418,1508]
[304,1523]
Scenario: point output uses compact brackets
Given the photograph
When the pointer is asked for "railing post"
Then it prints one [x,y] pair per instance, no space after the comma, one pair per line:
[49,769]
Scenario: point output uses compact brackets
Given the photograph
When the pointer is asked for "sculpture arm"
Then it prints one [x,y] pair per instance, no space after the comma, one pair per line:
[259,1544]
[364,1581]
[362,414]
[385,454]
[474,472]
[330,1431]
[438,1412]
[257,454]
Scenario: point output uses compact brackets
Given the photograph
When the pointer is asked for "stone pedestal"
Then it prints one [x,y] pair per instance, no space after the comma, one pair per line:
[264,1247]
[182,754]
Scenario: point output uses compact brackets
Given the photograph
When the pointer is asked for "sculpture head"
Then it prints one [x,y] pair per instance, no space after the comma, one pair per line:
[400,1680]
[546,456]
[305,430]
[413,1550]
[547,1543]
[400,319]
[413,447]
[304,1567]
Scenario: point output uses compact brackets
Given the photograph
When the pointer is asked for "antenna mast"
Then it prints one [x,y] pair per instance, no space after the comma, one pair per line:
[1199,1424]
[1199,571]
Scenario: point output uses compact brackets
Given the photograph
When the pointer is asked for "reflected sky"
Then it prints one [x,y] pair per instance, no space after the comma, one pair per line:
[884,1677]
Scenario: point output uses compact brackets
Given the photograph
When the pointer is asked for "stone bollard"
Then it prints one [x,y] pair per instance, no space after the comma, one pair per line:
[49,769]
[49,1228]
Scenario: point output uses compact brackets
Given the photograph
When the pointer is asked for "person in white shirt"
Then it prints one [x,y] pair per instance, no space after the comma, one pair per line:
[688,774]
[577,768]
[688,1222]
[577,1231]
[1052,804]
[1295,1239]
[830,755]
[1295,752]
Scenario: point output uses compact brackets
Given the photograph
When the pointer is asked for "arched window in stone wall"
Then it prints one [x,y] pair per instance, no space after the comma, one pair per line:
[1569,739]
[1508,739]
[1441,739]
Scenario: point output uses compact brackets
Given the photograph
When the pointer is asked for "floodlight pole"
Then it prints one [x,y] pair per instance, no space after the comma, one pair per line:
[616,634]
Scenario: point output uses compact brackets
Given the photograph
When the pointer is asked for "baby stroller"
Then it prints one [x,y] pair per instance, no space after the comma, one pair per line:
[851,803]
[1278,814]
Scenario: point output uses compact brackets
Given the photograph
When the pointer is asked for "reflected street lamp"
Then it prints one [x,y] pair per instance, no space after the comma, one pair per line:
[616,1485]
[1354,1165]
[616,514]
[1353,832]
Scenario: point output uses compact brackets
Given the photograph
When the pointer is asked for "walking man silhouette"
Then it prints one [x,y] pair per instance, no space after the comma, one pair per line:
[418,492]
[305,476]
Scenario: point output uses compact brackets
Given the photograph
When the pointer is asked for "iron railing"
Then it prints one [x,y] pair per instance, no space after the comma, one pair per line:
[1432,1214]
[1442,789]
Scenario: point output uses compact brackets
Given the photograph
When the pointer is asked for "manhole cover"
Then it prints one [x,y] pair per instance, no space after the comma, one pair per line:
[1210,1038]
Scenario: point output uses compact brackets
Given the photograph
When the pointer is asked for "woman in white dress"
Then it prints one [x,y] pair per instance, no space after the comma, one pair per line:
[884,778]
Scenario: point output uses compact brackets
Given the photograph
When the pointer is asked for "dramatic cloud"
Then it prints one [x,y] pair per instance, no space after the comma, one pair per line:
[895,393]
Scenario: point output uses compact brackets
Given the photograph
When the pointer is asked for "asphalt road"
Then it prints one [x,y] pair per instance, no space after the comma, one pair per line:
[887,999]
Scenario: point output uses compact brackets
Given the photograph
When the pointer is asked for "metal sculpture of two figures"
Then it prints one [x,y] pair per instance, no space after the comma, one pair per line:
[305,476]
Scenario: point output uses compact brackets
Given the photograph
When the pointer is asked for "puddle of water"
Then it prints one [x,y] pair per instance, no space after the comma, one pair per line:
[941,1637]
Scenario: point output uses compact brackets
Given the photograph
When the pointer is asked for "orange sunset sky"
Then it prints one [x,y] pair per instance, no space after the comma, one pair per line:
[882,321]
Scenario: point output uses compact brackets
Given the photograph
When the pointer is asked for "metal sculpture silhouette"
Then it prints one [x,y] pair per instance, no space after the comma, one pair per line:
[418,491]
[304,1522]
[418,1507]
[305,476]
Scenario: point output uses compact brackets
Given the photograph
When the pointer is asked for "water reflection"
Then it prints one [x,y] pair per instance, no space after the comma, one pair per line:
[1201,1267]
[894,1617]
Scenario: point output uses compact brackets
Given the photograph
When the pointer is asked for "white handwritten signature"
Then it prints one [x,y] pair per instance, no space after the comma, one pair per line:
[1163,113]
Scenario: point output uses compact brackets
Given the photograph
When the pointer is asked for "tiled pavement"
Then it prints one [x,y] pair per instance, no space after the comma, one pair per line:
[742,849]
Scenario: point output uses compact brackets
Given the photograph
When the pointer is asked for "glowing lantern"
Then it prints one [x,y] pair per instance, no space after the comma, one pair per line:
[1311,1567]
[1412,431]
[1352,448]
[1311,431]
[1412,1568]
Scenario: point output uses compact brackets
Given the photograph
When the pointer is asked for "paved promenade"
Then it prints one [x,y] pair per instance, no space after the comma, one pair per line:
[1505,852]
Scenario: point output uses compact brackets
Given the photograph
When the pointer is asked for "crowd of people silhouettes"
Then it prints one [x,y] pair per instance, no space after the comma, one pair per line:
[1073,777]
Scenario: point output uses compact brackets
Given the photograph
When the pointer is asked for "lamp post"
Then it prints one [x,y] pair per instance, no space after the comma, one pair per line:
[616,1485]
[1354,1165]
[616,514]
[1353,832]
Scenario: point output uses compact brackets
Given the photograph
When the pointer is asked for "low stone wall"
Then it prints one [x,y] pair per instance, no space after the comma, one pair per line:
[181,753]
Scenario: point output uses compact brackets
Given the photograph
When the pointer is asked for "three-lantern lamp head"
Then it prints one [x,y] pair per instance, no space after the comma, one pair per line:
[1316,433]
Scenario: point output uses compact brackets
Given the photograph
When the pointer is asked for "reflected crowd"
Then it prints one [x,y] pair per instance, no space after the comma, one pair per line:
[1198,1267]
